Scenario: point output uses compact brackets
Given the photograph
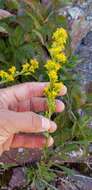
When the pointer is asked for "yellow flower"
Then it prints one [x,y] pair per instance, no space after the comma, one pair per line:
[25,67]
[59,37]
[52,65]
[54,50]
[61,57]
[57,58]
[59,44]
[34,63]
[60,34]
[53,76]
[46,90]
[50,93]
[3,74]
[53,94]
[12,70]
[30,67]
[10,78]
[58,87]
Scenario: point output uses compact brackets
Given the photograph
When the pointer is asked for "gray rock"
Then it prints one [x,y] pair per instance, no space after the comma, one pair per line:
[76,12]
[81,182]
[89,18]
[84,52]
[18,178]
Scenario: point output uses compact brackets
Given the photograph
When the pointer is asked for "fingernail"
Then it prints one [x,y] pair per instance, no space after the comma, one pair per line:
[50,141]
[48,125]
[53,127]
[64,90]
[45,124]
[60,106]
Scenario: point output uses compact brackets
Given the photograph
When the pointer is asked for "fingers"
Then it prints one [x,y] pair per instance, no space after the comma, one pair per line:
[7,144]
[27,90]
[30,122]
[12,97]
[63,91]
[25,122]
[31,141]
[26,141]
[38,105]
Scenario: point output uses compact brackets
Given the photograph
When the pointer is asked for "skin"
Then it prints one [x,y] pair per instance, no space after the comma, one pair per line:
[19,105]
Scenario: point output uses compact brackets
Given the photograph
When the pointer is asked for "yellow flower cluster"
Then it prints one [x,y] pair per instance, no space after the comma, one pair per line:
[60,36]
[52,93]
[30,66]
[34,65]
[61,57]
[27,68]
[54,65]
[51,65]
[58,46]
[6,76]
[3,74]
[53,75]
[52,69]
[54,87]
[12,70]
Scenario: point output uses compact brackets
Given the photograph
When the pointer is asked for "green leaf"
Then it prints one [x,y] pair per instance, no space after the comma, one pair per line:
[30,173]
[70,147]
[2,4]
[12,4]
[17,38]
[35,21]
[45,173]
[39,35]
[68,171]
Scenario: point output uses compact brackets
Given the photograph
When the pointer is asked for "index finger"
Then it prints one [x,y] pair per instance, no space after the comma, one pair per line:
[30,89]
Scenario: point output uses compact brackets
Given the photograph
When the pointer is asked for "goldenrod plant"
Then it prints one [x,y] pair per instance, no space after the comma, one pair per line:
[53,65]
[35,45]
[58,58]
[27,69]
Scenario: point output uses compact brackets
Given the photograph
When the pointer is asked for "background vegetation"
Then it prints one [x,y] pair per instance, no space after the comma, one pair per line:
[27,34]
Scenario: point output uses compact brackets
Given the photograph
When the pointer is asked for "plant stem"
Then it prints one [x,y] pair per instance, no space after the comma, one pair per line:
[49,185]
[18,74]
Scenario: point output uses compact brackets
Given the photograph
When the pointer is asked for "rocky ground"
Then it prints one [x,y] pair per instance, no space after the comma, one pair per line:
[80,21]
[84,48]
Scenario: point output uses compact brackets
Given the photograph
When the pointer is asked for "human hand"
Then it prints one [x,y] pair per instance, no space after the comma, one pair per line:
[18,105]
